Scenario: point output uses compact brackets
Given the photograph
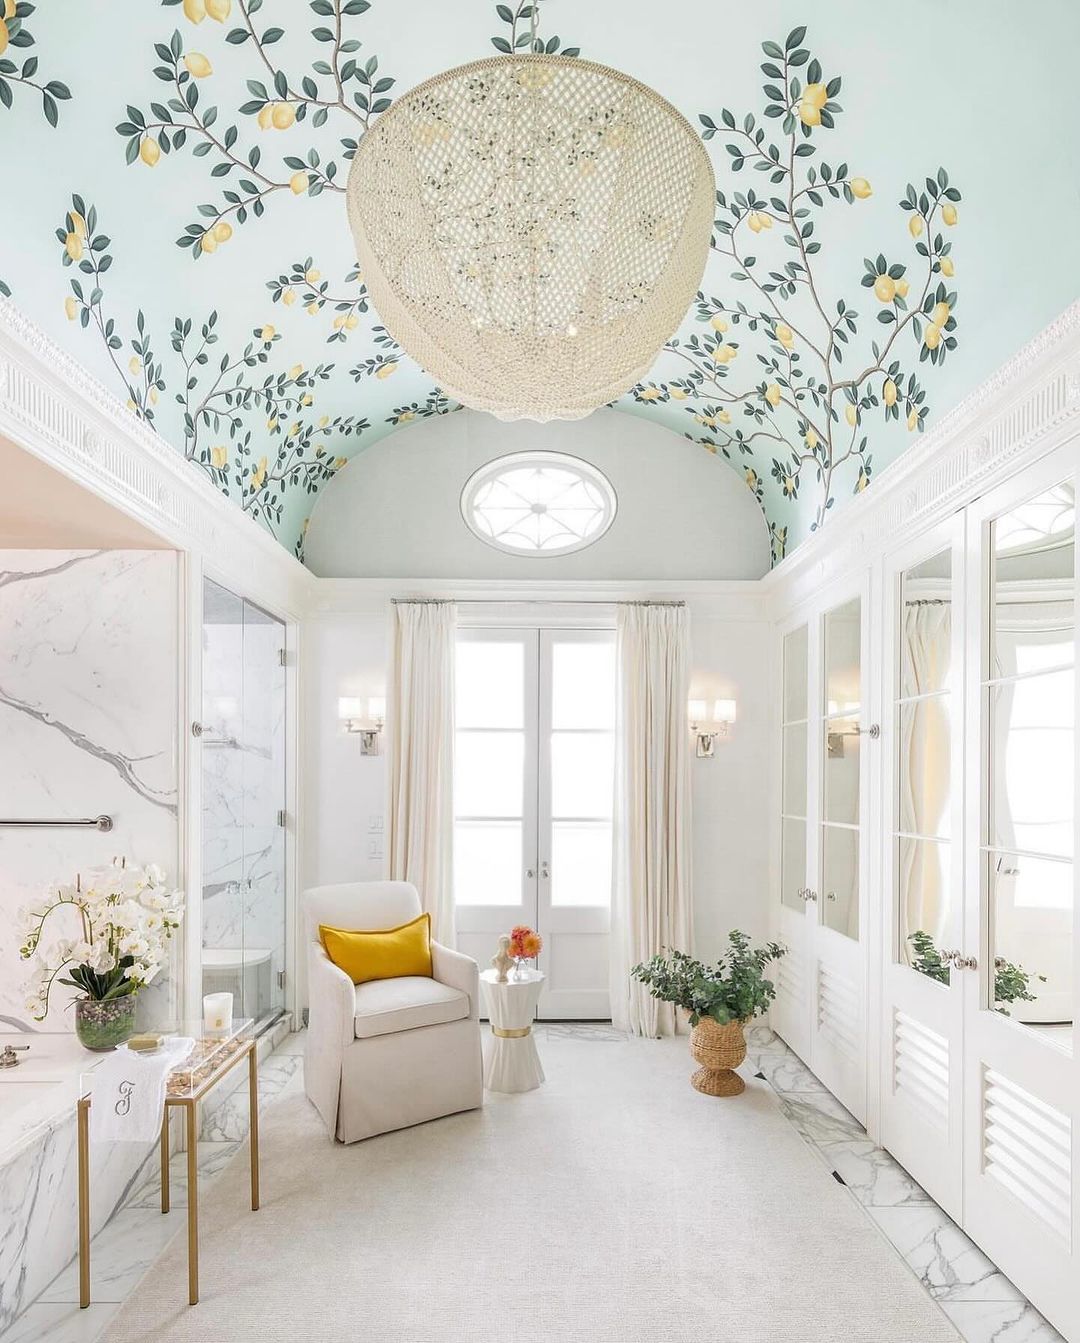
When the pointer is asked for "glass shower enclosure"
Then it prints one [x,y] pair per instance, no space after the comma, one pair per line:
[243,804]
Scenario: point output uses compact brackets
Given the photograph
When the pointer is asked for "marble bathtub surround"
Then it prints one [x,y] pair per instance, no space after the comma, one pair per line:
[89,709]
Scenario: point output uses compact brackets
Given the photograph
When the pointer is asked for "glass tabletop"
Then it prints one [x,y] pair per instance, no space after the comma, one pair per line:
[211,1053]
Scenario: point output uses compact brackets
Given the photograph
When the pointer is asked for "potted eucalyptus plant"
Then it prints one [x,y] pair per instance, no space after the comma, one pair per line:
[719,1000]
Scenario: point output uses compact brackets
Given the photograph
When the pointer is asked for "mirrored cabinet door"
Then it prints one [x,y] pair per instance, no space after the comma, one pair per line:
[793,806]
[841,768]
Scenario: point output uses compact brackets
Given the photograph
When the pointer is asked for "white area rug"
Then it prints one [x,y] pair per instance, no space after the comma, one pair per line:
[614,1203]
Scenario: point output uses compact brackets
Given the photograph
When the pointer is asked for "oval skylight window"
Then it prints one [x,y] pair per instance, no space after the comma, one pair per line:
[538,503]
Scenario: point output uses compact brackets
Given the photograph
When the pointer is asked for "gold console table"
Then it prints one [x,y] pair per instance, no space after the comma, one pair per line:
[211,1060]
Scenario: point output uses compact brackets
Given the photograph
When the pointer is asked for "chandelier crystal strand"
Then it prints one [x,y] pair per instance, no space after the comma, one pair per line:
[531,230]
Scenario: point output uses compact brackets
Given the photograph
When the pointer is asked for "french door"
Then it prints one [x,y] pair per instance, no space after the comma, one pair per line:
[533,790]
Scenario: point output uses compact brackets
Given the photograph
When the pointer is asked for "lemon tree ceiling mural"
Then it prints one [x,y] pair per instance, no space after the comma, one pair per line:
[885,234]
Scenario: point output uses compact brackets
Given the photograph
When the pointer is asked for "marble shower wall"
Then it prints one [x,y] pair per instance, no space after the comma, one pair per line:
[88,724]
[243,773]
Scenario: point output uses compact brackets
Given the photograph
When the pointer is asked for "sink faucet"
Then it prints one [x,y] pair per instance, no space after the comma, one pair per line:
[9,1055]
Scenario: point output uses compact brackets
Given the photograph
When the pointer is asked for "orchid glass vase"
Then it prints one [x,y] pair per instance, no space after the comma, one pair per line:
[101,1025]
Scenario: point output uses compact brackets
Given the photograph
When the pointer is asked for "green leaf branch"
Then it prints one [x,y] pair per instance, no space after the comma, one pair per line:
[15,34]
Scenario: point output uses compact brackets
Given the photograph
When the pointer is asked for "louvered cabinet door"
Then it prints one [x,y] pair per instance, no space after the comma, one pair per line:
[1020,953]
[921,1054]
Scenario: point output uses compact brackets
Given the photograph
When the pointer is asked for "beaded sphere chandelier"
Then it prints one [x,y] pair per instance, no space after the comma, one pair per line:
[532,229]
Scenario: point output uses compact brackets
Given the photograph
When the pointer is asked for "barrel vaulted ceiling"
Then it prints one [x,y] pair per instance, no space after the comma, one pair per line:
[897,212]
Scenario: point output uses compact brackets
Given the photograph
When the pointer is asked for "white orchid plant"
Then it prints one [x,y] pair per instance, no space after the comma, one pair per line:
[127,914]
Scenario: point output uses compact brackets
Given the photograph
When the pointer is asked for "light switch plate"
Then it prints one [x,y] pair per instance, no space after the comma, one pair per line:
[375,822]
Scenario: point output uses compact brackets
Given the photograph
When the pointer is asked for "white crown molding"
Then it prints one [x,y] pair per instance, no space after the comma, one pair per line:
[52,407]
[1030,406]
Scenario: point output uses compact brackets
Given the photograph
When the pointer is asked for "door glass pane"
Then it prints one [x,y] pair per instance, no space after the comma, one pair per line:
[842,659]
[1032,764]
[795,770]
[488,773]
[487,862]
[793,863]
[925,762]
[1031,923]
[923,878]
[583,685]
[1032,578]
[795,664]
[842,753]
[581,863]
[926,644]
[582,769]
[489,684]
[840,886]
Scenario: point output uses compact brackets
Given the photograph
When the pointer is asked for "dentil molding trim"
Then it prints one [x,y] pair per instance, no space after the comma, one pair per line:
[1030,406]
[52,407]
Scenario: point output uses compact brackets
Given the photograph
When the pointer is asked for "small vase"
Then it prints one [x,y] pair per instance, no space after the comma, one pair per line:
[101,1026]
[520,972]
[719,1050]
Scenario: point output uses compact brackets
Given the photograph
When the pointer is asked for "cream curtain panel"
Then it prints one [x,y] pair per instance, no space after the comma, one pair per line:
[420,737]
[651,887]
[925,776]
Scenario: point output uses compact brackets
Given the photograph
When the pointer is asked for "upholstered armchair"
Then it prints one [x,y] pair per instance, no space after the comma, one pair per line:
[391,1052]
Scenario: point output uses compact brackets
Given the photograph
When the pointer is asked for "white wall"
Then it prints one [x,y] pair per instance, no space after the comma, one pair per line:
[394,510]
[345,654]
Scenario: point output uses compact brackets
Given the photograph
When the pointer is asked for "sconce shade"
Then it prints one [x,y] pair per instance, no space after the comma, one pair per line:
[350,707]
[724,711]
[376,707]
[696,710]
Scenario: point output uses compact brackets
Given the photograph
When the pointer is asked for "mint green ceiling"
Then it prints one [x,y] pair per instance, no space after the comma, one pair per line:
[129,127]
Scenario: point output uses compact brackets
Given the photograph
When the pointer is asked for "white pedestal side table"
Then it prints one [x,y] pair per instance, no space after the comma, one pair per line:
[511,1062]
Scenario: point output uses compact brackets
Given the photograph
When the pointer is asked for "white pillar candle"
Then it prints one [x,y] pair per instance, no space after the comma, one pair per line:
[217,1012]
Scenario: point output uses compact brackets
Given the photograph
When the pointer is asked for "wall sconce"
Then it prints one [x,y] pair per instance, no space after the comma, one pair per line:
[365,717]
[707,726]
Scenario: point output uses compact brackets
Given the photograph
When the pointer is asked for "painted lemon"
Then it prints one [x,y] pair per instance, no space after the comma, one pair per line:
[313,276]
[913,420]
[915,225]
[339,322]
[298,183]
[718,324]
[283,116]
[73,246]
[860,188]
[219,456]
[78,223]
[268,333]
[386,369]
[724,354]
[218,9]
[811,439]
[311,309]
[135,364]
[288,297]
[271,423]
[296,371]
[772,394]
[71,307]
[949,213]
[194,10]
[940,315]
[947,267]
[902,288]
[932,337]
[222,230]
[851,414]
[149,151]
[785,335]
[265,117]
[352,322]
[816,95]
[677,393]
[208,242]
[885,288]
[809,115]
[888,392]
[197,65]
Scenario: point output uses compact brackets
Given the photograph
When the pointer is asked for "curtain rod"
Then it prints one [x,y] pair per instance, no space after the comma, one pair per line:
[523,601]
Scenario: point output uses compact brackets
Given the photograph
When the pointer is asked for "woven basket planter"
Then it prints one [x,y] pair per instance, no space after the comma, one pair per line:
[719,1050]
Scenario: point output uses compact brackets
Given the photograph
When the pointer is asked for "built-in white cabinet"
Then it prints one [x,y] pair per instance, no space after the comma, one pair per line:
[927,885]
[821,993]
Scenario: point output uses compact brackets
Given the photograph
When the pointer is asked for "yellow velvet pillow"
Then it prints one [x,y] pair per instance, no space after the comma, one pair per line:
[381,955]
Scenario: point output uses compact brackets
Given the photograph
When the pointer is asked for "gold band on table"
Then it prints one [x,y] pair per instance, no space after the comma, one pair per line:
[511,1035]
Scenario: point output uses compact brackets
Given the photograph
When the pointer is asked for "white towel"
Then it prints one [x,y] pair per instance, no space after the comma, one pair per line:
[128,1091]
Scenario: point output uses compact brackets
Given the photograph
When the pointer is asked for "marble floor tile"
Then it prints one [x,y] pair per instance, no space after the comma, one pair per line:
[820,1117]
[62,1322]
[946,1262]
[213,1157]
[999,1322]
[293,1043]
[872,1175]
[600,1031]
[786,1072]
[120,1254]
